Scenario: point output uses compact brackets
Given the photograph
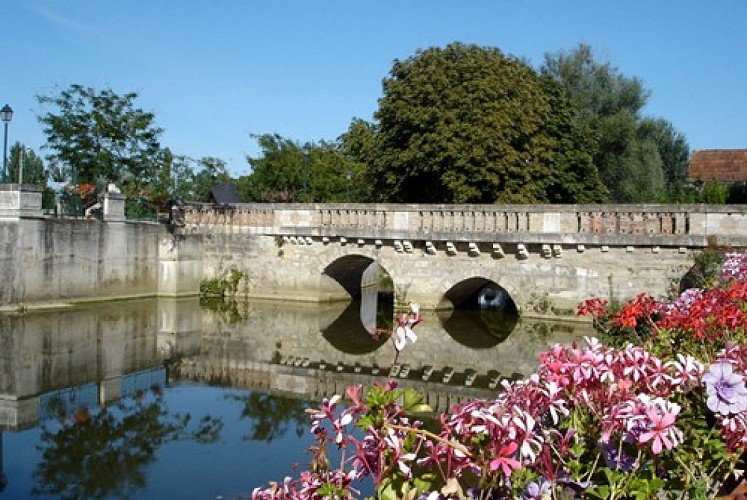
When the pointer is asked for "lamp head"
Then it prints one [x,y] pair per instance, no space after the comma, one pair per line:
[6,114]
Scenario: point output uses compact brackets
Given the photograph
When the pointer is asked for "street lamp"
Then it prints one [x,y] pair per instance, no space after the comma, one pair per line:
[6,114]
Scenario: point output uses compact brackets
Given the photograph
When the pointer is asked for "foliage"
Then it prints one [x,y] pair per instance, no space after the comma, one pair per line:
[705,272]
[99,136]
[674,152]
[290,172]
[714,192]
[466,124]
[209,172]
[213,287]
[634,421]
[574,177]
[639,159]
[272,415]
[222,285]
[33,166]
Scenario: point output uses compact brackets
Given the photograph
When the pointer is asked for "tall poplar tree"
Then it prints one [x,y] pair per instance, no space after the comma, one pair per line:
[639,159]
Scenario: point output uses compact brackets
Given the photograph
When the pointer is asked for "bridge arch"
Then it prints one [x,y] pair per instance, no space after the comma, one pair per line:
[478,292]
[475,292]
[348,333]
[371,309]
[478,312]
[353,272]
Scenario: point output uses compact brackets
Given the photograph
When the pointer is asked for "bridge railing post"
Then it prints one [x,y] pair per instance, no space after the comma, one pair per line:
[19,201]
[114,207]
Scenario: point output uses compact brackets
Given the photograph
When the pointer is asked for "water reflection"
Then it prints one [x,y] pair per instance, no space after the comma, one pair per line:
[272,416]
[96,452]
[93,378]
[349,335]
[257,345]
[478,328]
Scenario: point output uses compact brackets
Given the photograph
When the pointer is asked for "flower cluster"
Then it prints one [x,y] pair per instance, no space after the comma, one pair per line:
[405,324]
[666,414]
[734,266]
[84,190]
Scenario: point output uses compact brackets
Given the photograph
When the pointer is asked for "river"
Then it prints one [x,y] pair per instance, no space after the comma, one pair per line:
[174,398]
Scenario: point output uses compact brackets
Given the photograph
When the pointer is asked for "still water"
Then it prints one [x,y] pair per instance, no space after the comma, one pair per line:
[171,398]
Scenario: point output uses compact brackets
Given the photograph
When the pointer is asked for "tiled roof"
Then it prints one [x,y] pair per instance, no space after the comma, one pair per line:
[725,165]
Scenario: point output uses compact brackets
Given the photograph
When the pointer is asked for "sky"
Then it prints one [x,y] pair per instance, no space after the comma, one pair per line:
[215,72]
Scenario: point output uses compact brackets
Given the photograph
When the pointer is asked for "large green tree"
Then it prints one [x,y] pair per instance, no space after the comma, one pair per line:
[277,174]
[208,172]
[467,124]
[100,136]
[639,159]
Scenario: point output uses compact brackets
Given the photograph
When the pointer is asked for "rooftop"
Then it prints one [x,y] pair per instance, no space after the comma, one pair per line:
[723,165]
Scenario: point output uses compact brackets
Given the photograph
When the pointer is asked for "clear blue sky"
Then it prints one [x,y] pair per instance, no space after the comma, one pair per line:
[216,71]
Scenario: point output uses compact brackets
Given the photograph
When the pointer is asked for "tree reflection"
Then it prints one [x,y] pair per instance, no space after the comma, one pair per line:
[103,452]
[272,416]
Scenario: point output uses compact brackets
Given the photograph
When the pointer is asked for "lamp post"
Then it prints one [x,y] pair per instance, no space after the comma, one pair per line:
[6,114]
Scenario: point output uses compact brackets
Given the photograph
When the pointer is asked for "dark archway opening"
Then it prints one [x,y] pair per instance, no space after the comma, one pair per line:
[348,272]
[480,293]
[361,328]
[483,314]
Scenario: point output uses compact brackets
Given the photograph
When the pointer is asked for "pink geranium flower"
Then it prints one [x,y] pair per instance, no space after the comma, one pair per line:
[660,428]
[505,459]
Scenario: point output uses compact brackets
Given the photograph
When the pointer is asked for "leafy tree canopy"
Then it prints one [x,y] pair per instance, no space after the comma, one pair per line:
[99,136]
[33,166]
[467,124]
[287,171]
[639,159]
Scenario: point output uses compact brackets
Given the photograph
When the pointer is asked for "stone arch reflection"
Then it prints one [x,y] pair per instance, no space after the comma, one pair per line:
[371,311]
[483,314]
[348,334]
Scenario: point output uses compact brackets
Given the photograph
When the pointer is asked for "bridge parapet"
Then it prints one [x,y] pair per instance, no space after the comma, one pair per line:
[671,225]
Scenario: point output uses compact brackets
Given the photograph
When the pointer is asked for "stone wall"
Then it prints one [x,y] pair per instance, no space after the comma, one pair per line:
[53,261]
[556,255]
[536,280]
[548,258]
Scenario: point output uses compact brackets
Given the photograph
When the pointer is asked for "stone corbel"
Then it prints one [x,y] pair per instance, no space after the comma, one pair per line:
[474,250]
[521,252]
[498,251]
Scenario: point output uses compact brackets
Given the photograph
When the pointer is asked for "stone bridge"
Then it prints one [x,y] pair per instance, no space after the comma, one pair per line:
[544,259]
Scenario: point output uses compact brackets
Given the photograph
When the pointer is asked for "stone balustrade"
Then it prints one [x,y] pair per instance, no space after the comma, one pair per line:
[671,225]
